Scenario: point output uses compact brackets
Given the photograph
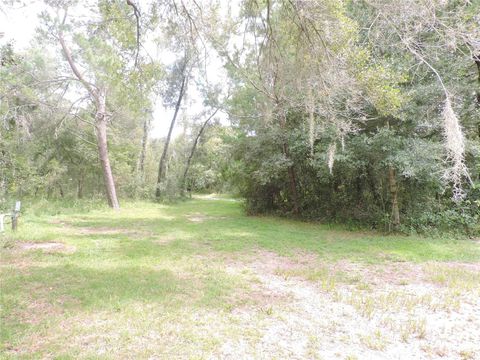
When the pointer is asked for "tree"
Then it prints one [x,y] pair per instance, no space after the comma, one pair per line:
[98,92]
[100,57]
[354,111]
[192,151]
[342,89]
[182,26]
[181,76]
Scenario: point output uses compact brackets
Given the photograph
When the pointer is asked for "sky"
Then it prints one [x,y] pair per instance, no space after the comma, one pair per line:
[19,23]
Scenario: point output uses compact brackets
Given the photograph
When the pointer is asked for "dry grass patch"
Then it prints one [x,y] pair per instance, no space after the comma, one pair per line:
[463,277]
[164,239]
[48,247]
[375,341]
[98,231]
[144,332]
[200,218]
[73,229]
[398,307]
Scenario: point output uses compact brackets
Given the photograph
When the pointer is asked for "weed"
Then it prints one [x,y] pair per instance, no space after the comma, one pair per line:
[467,354]
[375,341]
[414,328]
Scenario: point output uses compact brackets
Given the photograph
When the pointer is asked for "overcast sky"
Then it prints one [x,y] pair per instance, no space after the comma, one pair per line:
[18,23]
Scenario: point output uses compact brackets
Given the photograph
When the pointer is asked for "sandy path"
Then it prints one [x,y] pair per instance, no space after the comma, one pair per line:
[386,321]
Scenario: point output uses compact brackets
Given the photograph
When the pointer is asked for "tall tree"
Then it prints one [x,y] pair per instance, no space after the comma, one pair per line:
[192,150]
[180,79]
[98,93]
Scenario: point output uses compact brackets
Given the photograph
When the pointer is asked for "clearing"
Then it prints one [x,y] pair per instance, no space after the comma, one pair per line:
[200,280]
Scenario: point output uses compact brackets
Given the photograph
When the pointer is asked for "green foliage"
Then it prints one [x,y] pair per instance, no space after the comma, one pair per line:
[326,100]
[394,123]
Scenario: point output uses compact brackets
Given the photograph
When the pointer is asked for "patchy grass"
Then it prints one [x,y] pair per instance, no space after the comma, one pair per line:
[374,341]
[455,277]
[199,279]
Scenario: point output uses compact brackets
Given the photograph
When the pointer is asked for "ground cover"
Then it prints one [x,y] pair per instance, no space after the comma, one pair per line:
[200,280]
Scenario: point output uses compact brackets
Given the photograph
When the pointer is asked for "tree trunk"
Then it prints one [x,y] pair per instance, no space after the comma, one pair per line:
[476,58]
[143,150]
[80,187]
[392,182]
[161,166]
[293,181]
[291,169]
[99,97]
[101,127]
[3,190]
[192,152]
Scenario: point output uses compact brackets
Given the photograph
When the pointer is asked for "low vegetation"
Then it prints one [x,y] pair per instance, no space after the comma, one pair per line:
[199,279]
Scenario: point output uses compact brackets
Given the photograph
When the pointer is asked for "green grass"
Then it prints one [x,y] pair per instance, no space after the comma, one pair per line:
[152,279]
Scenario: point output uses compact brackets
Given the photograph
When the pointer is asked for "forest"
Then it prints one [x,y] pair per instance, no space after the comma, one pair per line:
[158,144]
[361,112]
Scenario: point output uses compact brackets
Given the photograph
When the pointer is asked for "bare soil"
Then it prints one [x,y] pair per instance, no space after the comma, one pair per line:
[392,312]
[199,218]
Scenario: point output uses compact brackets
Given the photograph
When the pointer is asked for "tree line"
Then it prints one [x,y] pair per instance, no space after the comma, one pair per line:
[364,112]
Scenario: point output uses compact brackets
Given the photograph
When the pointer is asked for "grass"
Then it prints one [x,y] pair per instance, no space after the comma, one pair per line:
[153,280]
[374,341]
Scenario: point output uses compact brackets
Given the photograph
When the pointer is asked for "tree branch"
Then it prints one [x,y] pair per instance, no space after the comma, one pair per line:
[71,62]
[136,12]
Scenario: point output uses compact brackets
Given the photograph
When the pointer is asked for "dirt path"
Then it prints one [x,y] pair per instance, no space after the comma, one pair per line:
[366,320]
